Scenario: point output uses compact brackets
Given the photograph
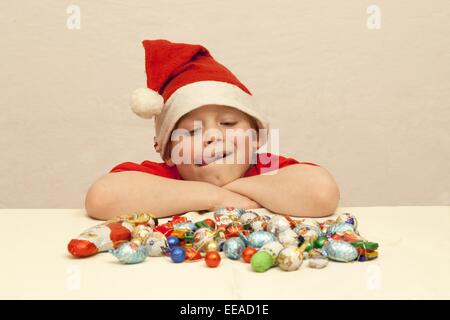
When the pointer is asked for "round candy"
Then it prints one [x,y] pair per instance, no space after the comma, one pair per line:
[173,241]
[340,251]
[262,261]
[233,248]
[259,238]
[248,253]
[212,246]
[130,253]
[290,259]
[212,259]
[278,224]
[177,254]
[156,245]
[288,238]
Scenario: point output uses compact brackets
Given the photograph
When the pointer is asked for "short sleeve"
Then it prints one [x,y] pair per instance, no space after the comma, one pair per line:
[267,162]
[150,167]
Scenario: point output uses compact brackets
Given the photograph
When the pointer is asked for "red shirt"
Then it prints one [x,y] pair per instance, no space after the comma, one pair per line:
[266,162]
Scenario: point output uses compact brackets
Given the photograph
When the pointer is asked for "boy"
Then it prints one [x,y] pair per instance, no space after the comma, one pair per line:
[208,129]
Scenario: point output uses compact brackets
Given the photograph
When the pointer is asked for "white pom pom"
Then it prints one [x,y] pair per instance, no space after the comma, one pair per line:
[146,102]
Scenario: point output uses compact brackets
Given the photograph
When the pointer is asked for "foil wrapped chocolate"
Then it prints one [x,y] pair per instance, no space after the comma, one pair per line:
[225,216]
[340,228]
[288,238]
[308,232]
[156,245]
[348,218]
[273,248]
[259,223]
[340,251]
[318,262]
[257,239]
[247,217]
[278,224]
[290,259]
[233,248]
[202,237]
[130,253]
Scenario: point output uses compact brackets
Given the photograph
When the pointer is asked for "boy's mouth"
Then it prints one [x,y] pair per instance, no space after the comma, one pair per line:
[207,161]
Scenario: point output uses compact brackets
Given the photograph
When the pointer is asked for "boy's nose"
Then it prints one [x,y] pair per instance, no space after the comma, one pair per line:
[208,140]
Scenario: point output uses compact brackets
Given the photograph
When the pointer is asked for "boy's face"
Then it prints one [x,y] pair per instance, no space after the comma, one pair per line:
[213,144]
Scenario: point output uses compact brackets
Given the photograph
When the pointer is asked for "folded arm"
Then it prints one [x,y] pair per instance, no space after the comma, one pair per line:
[298,190]
[131,191]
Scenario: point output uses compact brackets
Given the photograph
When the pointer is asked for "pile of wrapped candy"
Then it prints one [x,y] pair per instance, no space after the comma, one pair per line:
[260,240]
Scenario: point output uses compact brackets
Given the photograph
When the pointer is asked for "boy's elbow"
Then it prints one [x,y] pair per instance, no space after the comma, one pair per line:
[327,200]
[98,202]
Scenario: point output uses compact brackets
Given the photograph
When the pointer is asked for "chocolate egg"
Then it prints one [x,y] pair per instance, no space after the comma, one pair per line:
[156,245]
[130,253]
[273,247]
[247,217]
[288,238]
[233,248]
[259,238]
[259,223]
[340,251]
[278,224]
[290,259]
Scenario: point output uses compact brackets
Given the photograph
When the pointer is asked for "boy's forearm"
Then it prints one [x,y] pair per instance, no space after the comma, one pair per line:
[298,190]
[128,192]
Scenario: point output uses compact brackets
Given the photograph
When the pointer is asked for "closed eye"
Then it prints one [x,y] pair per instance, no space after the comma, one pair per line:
[194,131]
[229,123]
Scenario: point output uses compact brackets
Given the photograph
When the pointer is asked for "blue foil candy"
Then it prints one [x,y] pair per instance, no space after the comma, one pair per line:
[258,238]
[233,248]
[340,251]
[130,253]
[340,227]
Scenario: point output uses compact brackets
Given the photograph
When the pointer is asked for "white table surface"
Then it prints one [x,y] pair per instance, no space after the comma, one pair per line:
[413,263]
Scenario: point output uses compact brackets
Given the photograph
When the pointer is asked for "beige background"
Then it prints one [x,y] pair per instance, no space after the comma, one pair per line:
[372,106]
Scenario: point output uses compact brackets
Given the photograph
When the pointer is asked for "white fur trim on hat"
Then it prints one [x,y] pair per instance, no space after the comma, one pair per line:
[197,94]
[146,102]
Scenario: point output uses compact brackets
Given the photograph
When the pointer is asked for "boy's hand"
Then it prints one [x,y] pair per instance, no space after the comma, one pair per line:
[231,199]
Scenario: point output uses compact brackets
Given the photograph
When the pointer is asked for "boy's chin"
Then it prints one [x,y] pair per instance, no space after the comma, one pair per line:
[218,174]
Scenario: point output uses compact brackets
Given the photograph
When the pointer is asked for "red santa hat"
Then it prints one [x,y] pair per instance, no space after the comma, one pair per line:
[182,77]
